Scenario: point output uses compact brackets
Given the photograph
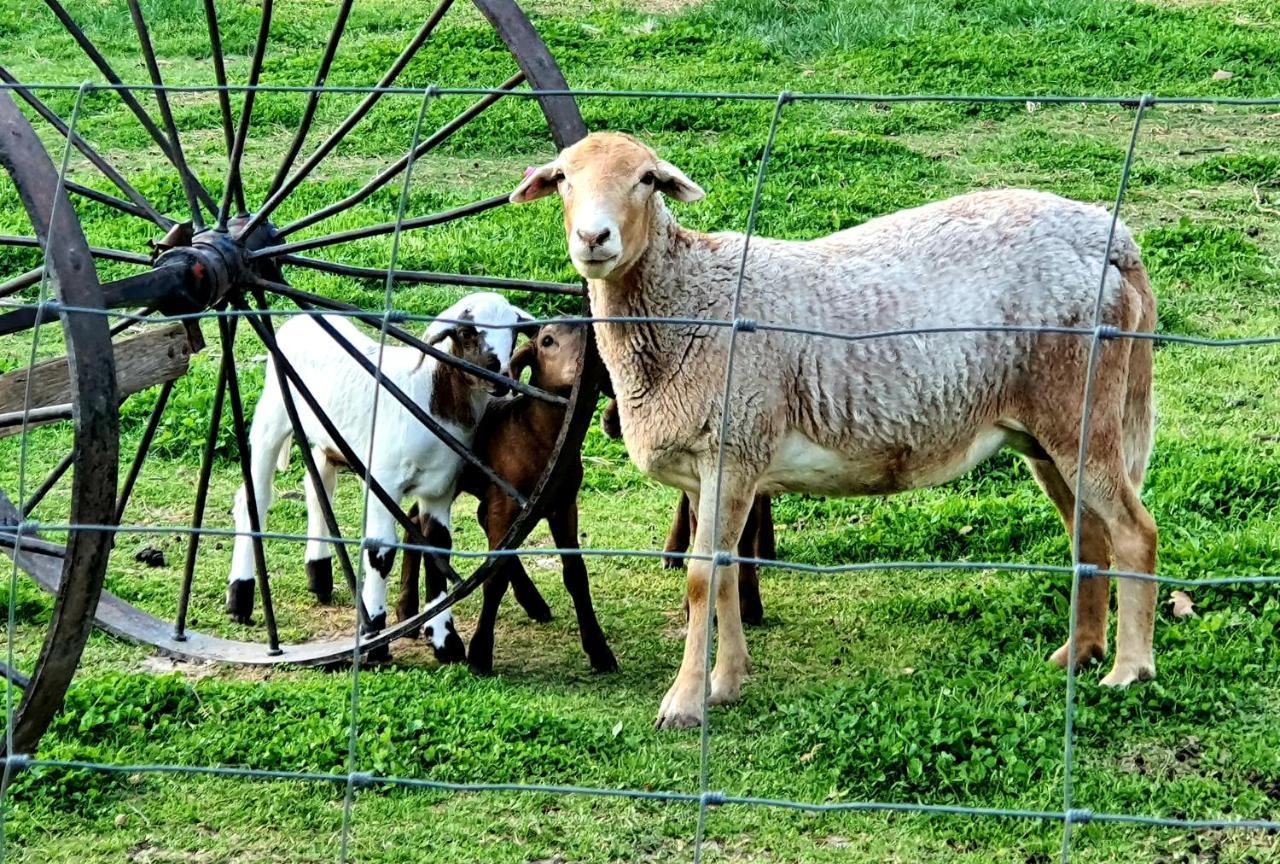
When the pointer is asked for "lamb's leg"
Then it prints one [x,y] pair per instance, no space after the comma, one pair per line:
[678,536]
[1094,597]
[379,556]
[500,512]
[268,433]
[319,555]
[766,546]
[408,603]
[748,573]
[445,641]
[564,529]
[682,706]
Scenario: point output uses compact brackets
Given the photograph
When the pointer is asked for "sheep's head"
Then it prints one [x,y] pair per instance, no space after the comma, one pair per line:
[609,184]
[553,353]
[481,329]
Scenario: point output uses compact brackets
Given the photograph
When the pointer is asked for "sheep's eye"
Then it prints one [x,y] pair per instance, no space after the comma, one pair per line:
[647,179]
[548,341]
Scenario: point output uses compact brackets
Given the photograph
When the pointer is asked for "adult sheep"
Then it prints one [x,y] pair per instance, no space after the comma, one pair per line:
[836,416]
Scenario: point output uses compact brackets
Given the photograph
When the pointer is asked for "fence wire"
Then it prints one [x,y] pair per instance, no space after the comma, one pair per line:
[706,797]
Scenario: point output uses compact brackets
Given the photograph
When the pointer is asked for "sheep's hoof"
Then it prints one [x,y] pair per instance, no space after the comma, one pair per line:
[603,661]
[1129,672]
[320,580]
[538,611]
[380,653]
[240,601]
[1088,651]
[453,650]
[681,707]
[672,563]
[752,615]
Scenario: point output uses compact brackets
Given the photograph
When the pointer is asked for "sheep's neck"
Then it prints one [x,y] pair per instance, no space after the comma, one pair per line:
[642,356]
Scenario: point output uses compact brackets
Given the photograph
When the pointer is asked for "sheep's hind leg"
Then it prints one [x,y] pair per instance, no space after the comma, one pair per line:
[678,536]
[267,436]
[498,514]
[445,641]
[319,555]
[409,601]
[682,706]
[1094,597]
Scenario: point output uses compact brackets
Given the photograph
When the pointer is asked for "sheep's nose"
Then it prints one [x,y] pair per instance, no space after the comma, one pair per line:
[594,238]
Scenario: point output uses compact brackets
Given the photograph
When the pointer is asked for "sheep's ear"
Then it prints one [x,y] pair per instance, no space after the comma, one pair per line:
[673,183]
[523,359]
[537,183]
[529,325]
[446,333]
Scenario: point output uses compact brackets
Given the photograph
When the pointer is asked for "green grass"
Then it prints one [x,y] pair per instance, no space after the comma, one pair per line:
[888,686]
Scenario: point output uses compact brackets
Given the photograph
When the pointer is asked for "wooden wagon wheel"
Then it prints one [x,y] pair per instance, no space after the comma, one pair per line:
[221,253]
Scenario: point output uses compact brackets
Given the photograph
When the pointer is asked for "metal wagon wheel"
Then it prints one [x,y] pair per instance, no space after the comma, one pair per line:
[218,252]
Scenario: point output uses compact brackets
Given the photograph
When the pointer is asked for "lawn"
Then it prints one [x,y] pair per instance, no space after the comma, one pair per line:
[888,686]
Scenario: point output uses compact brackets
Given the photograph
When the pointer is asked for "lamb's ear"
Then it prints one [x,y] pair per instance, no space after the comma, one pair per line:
[446,333]
[672,182]
[538,183]
[523,359]
[529,325]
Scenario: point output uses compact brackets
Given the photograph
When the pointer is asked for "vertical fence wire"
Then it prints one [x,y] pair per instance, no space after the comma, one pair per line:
[353,777]
[11,624]
[1077,565]
[704,755]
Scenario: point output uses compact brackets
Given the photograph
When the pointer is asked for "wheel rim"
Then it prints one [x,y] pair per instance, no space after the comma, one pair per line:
[223,254]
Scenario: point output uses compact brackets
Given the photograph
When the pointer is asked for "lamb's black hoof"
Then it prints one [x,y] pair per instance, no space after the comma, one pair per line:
[672,563]
[453,650]
[382,653]
[320,579]
[539,611]
[240,601]
[602,660]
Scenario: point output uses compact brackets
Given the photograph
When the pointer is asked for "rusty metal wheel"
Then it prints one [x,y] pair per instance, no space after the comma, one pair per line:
[217,252]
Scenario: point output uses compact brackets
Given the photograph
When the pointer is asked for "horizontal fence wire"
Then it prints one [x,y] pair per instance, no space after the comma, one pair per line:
[24,535]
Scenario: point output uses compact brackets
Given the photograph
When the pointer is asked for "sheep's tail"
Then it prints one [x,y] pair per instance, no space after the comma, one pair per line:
[1139,402]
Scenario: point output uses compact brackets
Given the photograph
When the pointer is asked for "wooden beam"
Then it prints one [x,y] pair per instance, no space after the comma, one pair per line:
[154,357]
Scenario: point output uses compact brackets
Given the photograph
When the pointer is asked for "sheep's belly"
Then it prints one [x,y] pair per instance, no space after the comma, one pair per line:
[802,465]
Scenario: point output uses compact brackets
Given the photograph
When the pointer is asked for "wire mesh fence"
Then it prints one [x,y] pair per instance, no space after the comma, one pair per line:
[47,307]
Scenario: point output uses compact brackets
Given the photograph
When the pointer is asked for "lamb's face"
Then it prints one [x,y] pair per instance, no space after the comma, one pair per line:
[607,182]
[485,333]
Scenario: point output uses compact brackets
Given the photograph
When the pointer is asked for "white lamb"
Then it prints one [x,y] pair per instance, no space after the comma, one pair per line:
[408,460]
[868,416]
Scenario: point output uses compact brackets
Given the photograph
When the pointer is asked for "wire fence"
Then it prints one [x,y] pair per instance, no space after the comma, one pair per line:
[706,796]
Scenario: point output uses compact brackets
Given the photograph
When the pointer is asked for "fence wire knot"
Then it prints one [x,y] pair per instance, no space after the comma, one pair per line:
[1079,817]
[713,798]
[745,325]
[360,779]
[1086,571]
[722,559]
[1106,331]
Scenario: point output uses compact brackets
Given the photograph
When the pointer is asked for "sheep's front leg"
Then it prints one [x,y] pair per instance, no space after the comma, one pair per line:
[436,527]
[319,555]
[682,706]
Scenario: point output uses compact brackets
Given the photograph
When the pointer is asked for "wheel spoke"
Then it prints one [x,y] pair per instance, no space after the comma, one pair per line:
[354,463]
[145,208]
[34,499]
[92,52]
[429,278]
[306,300]
[144,446]
[166,114]
[308,460]
[202,496]
[313,98]
[440,135]
[17,283]
[112,201]
[382,228]
[246,474]
[233,184]
[348,124]
[220,76]
[95,251]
